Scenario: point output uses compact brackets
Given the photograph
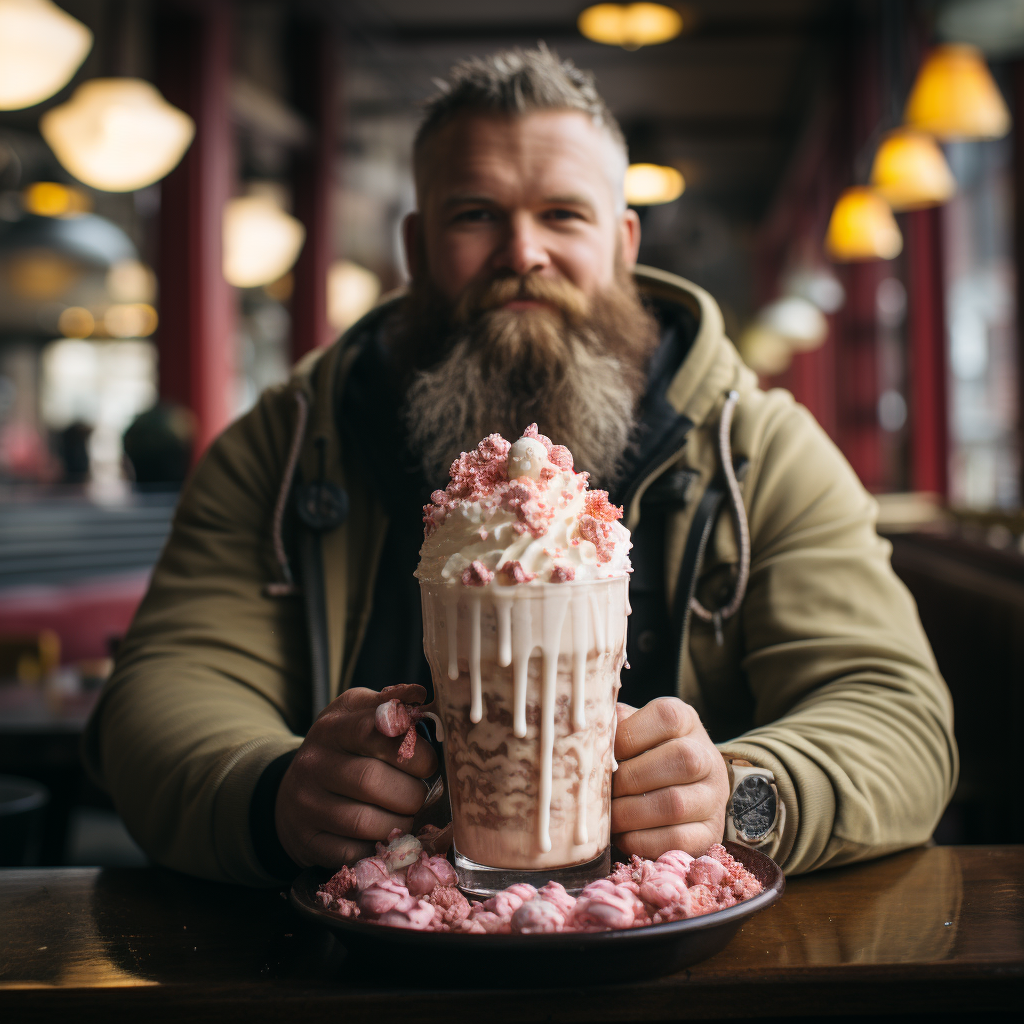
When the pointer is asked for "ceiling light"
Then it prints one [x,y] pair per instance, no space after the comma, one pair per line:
[135,320]
[818,285]
[51,199]
[76,322]
[862,227]
[796,320]
[261,241]
[117,134]
[352,291]
[764,351]
[41,47]
[630,25]
[131,281]
[910,172]
[651,184]
[954,96]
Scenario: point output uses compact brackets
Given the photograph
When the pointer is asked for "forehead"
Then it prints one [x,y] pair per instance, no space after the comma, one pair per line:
[521,157]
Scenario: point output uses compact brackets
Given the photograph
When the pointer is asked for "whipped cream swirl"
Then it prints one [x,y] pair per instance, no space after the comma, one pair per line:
[518,513]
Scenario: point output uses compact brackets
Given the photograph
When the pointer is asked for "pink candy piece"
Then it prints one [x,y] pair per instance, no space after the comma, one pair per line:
[401,851]
[370,871]
[554,893]
[537,916]
[706,871]
[679,860]
[516,573]
[419,917]
[662,887]
[392,718]
[426,874]
[379,899]
[603,904]
[563,574]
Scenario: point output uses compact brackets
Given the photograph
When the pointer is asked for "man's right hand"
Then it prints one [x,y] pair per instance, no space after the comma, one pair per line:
[345,789]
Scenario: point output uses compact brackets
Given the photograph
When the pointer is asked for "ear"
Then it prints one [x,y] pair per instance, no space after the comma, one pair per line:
[629,238]
[410,242]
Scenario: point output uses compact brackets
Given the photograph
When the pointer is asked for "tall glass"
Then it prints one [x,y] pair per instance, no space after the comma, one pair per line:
[526,679]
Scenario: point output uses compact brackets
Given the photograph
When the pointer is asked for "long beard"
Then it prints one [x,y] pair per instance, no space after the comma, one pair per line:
[576,368]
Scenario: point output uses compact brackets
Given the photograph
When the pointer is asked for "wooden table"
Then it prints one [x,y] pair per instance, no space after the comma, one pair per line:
[938,929]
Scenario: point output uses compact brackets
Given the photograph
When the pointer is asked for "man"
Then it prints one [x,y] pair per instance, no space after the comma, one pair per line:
[805,661]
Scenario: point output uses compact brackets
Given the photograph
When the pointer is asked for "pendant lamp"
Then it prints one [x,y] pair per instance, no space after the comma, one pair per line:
[955,97]
[261,241]
[41,47]
[117,134]
[630,25]
[862,227]
[910,172]
[652,184]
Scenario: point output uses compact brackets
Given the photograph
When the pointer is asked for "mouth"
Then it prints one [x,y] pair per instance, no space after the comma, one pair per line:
[520,304]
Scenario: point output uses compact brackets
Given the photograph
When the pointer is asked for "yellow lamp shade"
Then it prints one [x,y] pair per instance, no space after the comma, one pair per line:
[651,184]
[954,96]
[862,227]
[41,47]
[261,241]
[630,25]
[117,134]
[910,171]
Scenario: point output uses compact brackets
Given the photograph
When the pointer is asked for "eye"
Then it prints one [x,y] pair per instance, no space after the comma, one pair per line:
[562,213]
[478,215]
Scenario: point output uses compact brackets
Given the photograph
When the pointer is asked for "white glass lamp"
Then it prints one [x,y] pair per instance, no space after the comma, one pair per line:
[117,134]
[261,241]
[41,47]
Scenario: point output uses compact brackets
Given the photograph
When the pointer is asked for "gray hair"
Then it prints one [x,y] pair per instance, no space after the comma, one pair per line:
[515,82]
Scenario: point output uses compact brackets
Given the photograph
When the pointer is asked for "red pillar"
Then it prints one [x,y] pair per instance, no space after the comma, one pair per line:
[196,340]
[926,357]
[313,53]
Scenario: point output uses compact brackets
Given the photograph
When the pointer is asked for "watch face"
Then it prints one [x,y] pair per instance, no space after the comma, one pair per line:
[754,806]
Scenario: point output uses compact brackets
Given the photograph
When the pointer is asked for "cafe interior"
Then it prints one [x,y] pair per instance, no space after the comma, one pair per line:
[196,194]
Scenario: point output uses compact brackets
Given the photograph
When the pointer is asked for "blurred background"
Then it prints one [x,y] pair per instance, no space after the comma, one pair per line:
[193,195]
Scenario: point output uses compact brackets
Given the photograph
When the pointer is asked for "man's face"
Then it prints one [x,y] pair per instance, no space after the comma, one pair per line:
[520,195]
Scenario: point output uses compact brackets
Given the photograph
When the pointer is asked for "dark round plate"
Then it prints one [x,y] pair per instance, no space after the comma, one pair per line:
[546,960]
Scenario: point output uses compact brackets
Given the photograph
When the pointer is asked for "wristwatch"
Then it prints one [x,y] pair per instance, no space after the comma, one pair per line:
[755,814]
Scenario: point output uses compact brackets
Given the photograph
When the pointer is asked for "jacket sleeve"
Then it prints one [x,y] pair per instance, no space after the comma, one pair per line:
[850,711]
[211,682]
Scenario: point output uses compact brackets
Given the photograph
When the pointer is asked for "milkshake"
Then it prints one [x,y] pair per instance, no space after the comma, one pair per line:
[524,576]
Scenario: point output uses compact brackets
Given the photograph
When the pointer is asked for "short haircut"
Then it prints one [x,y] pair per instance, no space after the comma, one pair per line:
[514,82]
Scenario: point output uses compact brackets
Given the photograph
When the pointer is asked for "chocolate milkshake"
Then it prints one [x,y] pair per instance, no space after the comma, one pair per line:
[524,580]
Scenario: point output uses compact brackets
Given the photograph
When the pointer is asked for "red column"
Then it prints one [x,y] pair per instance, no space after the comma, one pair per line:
[926,356]
[196,340]
[313,53]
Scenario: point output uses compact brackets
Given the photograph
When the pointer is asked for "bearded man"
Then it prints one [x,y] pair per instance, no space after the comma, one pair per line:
[236,734]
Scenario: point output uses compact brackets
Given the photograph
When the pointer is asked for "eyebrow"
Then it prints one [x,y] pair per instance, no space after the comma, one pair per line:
[568,199]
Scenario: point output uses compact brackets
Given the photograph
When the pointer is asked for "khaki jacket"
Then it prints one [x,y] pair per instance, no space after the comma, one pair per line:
[824,677]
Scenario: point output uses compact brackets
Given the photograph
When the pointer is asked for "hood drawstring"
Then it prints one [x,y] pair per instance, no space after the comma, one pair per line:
[287,587]
[720,615]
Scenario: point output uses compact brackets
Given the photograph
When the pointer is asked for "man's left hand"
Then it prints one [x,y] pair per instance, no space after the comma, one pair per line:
[672,784]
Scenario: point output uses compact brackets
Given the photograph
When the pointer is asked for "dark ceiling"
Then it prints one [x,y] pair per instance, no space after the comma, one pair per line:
[724,102]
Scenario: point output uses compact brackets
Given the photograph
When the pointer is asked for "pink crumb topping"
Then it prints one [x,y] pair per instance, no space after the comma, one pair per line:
[516,573]
[422,895]
[563,574]
[476,575]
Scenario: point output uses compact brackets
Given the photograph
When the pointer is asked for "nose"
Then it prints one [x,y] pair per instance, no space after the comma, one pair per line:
[522,250]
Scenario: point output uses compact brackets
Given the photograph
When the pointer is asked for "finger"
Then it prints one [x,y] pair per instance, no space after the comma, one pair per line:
[357,699]
[694,838]
[329,851]
[623,711]
[356,733]
[371,781]
[353,819]
[653,724]
[676,762]
[673,805]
